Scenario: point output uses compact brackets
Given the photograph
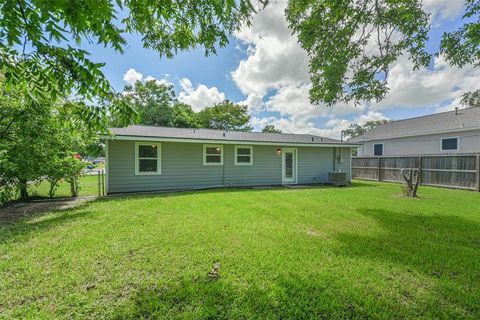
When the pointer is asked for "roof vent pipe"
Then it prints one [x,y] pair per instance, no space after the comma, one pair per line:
[456,111]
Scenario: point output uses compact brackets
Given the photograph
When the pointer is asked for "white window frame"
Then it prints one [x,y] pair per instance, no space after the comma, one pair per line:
[205,163]
[137,159]
[243,163]
[449,150]
[383,150]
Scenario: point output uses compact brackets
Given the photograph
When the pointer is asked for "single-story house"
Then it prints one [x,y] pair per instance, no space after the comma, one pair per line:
[153,158]
[451,132]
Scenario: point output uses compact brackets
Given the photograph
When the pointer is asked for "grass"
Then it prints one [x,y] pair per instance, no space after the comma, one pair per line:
[359,252]
[88,187]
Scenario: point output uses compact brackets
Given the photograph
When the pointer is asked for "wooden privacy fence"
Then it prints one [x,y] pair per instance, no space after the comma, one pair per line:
[453,171]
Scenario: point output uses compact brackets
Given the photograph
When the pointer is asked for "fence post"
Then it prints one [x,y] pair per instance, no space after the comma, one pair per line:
[478,173]
[420,167]
[103,184]
[378,169]
[99,187]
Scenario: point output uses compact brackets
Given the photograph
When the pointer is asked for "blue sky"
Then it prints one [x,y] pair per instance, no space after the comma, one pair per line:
[265,68]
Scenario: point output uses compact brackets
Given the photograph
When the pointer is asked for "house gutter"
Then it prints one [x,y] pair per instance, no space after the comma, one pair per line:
[242,142]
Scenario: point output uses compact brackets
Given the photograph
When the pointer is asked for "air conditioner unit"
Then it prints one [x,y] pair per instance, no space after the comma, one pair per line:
[337,178]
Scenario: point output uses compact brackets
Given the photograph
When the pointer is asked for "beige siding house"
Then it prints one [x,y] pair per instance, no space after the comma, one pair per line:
[453,132]
[151,158]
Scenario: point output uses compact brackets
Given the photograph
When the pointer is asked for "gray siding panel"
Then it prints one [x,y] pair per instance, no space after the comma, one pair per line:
[469,142]
[182,167]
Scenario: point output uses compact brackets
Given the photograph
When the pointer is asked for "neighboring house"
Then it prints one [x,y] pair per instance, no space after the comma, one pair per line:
[450,132]
[150,158]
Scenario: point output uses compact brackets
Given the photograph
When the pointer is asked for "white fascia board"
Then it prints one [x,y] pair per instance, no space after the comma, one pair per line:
[213,141]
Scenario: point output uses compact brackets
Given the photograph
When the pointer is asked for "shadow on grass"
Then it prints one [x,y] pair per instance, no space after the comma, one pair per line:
[444,248]
[18,229]
[289,298]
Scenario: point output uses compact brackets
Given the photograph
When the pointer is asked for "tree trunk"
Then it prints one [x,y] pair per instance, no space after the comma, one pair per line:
[74,187]
[23,189]
[412,180]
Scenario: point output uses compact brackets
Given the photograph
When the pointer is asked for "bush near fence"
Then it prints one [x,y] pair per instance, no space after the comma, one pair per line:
[453,171]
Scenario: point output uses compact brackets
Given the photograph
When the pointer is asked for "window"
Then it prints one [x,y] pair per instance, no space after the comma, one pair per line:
[212,154]
[378,149]
[147,158]
[450,144]
[243,155]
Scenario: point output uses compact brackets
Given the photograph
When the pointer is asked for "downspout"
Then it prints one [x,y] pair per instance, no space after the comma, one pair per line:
[106,165]
[334,159]
[224,162]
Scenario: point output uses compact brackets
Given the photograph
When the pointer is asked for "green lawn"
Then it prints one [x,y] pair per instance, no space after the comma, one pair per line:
[88,187]
[359,252]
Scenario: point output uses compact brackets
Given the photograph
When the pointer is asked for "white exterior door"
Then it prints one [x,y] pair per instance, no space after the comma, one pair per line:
[289,165]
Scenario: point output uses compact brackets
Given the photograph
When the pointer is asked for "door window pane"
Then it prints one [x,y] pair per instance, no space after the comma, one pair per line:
[289,165]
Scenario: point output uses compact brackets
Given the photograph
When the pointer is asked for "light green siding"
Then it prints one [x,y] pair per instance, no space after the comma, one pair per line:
[182,167]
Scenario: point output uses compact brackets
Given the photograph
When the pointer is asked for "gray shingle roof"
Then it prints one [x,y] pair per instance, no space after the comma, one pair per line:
[430,124]
[208,134]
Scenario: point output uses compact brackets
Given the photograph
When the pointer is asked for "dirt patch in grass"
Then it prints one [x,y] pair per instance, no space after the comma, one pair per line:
[20,210]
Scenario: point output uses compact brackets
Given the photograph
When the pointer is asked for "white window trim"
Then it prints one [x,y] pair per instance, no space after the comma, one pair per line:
[449,150]
[244,163]
[205,146]
[159,159]
[383,149]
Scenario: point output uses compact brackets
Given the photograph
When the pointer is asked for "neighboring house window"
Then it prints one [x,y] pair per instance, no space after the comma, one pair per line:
[147,158]
[212,154]
[378,149]
[449,144]
[243,155]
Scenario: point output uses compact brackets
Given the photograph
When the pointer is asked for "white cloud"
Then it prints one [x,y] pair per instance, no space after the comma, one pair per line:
[274,77]
[199,97]
[274,57]
[422,88]
[158,81]
[132,76]
[444,9]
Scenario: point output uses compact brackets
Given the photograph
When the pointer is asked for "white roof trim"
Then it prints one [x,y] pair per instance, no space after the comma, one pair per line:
[361,139]
[260,143]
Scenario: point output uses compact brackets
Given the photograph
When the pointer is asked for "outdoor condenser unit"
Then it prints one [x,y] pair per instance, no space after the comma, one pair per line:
[337,178]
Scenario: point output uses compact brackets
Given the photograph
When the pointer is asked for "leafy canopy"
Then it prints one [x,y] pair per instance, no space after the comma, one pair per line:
[152,101]
[271,129]
[40,43]
[225,116]
[352,43]
[355,130]
[40,143]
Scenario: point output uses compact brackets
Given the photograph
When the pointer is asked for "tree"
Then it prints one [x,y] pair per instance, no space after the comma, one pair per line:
[39,145]
[225,116]
[152,100]
[355,130]
[271,129]
[40,43]
[471,99]
[352,44]
[183,116]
